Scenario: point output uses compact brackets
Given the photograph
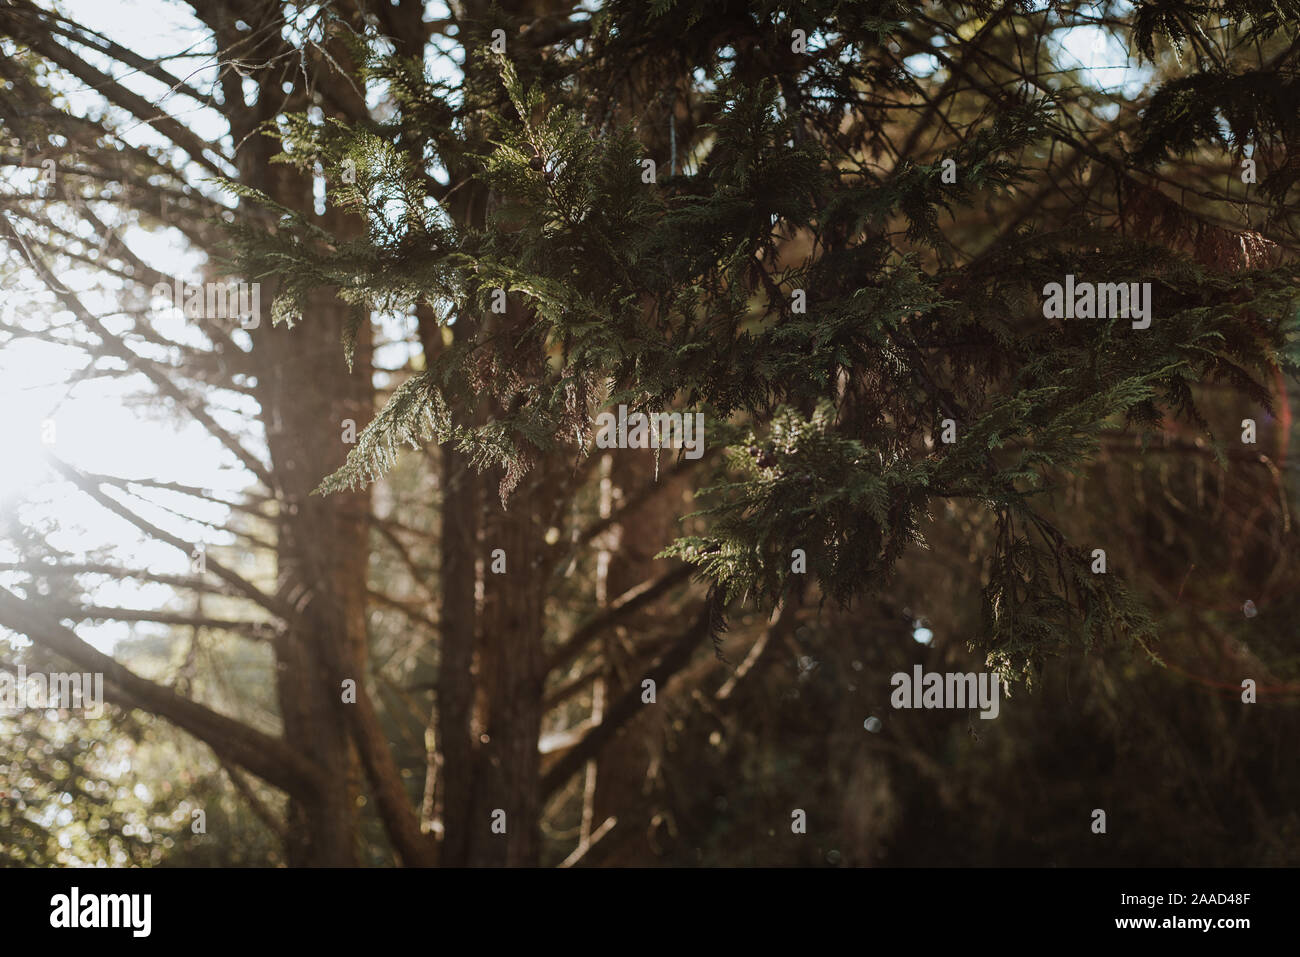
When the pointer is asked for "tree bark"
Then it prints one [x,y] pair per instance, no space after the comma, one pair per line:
[305,393]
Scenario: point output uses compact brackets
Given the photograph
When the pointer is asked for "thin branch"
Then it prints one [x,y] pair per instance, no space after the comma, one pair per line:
[240,584]
[267,757]
[625,708]
[634,598]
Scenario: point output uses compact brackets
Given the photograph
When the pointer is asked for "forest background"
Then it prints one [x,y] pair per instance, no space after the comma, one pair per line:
[364,591]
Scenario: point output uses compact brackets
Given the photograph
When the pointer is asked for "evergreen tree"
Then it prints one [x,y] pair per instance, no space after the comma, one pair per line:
[788,268]
[830,228]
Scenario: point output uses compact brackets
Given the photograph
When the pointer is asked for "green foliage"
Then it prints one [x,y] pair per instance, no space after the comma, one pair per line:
[1178,21]
[681,293]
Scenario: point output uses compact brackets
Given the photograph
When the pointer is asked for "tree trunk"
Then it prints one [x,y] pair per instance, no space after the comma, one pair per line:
[512,672]
[323,557]
[305,392]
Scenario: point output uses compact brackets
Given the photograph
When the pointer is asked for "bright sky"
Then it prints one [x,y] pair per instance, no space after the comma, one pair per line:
[94,425]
